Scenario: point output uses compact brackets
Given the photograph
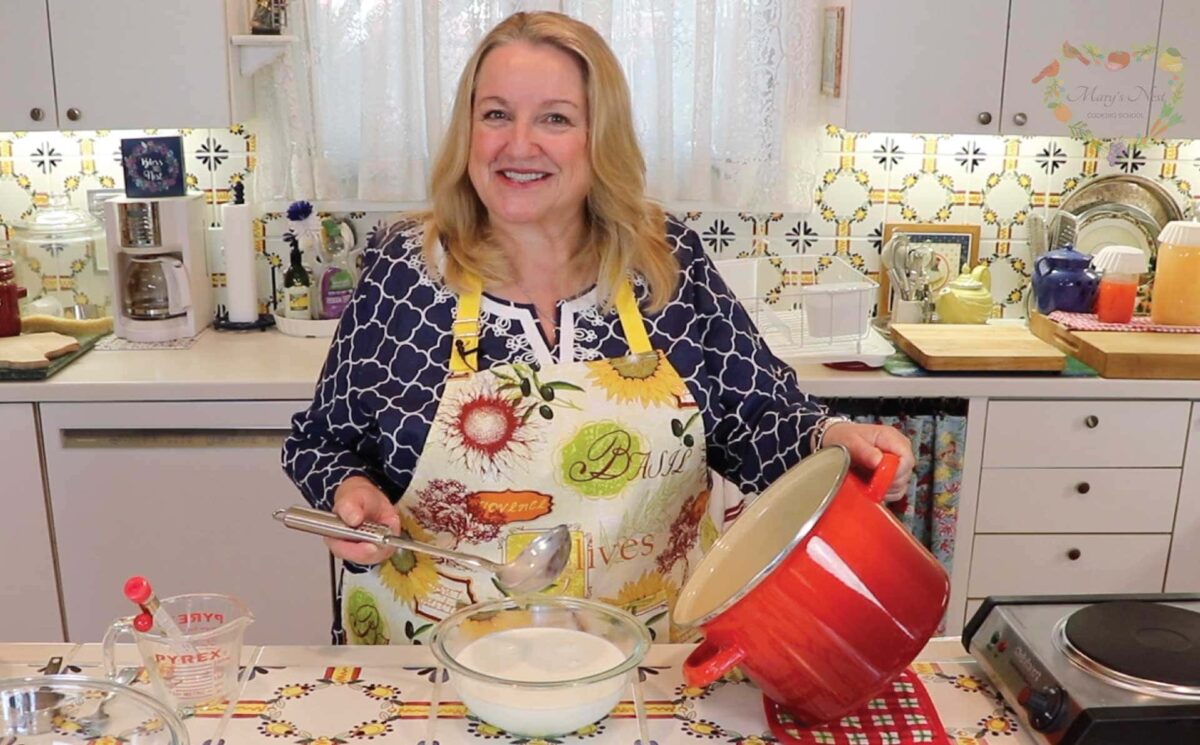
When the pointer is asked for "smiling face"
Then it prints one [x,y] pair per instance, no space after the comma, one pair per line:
[529,136]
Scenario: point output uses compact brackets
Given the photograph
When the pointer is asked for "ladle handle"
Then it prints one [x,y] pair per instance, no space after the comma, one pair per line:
[331,526]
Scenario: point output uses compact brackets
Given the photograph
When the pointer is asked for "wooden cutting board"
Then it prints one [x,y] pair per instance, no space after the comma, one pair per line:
[30,351]
[976,348]
[1126,354]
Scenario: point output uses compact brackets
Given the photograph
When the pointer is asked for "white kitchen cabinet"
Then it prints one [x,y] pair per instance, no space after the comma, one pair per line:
[28,584]
[923,65]
[1054,564]
[1179,48]
[1078,500]
[122,64]
[1183,572]
[1101,84]
[26,99]
[1102,434]
[1029,67]
[1083,496]
[182,493]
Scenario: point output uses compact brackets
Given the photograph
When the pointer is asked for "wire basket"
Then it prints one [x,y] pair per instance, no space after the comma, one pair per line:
[808,306]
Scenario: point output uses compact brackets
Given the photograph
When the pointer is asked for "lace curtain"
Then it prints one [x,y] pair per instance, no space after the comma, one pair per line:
[725,95]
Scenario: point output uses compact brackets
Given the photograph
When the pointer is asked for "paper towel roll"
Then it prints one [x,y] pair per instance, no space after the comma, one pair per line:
[241,288]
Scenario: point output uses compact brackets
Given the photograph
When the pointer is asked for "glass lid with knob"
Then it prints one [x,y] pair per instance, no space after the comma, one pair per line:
[68,709]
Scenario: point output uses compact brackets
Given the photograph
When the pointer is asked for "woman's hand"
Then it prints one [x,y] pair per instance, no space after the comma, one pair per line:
[867,443]
[356,501]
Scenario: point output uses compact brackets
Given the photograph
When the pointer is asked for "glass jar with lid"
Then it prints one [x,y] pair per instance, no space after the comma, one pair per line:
[56,228]
[1174,299]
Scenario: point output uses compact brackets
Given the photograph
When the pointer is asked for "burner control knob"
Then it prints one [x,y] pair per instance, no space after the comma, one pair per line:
[1045,707]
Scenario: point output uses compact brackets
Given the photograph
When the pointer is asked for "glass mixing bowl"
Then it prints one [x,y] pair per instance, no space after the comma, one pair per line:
[540,666]
[57,709]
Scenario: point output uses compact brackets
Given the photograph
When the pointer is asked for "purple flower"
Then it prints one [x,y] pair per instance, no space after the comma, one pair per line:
[298,211]
[1115,151]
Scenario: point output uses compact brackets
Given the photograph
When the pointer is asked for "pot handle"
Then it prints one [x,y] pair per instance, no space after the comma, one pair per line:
[885,472]
[709,661]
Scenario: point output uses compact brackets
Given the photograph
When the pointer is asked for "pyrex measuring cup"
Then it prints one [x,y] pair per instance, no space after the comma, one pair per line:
[201,668]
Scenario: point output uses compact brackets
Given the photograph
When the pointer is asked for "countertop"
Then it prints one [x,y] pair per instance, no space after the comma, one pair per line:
[268,365]
[325,695]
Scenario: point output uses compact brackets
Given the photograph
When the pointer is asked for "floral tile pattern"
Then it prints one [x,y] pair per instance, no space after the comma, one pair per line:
[867,179]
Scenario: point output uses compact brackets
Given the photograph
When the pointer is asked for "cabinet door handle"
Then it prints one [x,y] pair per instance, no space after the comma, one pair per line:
[1091,421]
[37,114]
[1019,119]
[1074,554]
[74,114]
[1083,487]
[140,439]
[985,117]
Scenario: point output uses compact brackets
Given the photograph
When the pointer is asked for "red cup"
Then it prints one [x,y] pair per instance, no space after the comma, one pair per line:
[816,592]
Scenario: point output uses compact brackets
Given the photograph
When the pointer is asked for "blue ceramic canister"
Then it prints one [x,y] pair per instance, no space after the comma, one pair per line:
[1063,280]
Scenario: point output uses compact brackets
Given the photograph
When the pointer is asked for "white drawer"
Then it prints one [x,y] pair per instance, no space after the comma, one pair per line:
[972,606]
[1042,564]
[1077,500]
[1064,434]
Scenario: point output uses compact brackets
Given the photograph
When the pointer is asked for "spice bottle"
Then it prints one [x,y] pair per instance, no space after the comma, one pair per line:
[10,294]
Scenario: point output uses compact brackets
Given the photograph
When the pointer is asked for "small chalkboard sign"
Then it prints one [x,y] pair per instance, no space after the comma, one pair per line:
[153,167]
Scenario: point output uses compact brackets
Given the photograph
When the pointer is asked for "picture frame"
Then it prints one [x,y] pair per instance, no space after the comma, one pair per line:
[955,247]
[831,51]
[154,167]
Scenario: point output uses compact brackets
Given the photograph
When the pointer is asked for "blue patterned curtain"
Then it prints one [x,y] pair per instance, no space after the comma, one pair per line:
[938,431]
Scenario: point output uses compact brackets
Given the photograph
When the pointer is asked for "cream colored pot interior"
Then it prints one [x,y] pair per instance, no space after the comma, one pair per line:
[764,533]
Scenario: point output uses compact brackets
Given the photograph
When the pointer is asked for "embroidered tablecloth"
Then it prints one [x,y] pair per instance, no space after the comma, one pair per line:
[344,695]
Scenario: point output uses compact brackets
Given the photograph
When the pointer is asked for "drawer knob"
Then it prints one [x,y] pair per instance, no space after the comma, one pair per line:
[1083,487]
[37,114]
[985,117]
[1091,421]
[1074,554]
[74,114]
[1019,119]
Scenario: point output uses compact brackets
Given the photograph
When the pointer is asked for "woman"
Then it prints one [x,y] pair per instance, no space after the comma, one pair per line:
[545,346]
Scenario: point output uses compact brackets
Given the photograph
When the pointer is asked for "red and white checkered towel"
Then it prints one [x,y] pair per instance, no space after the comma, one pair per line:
[1089,322]
[902,714]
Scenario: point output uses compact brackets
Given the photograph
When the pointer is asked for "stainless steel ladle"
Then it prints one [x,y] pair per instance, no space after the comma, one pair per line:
[533,569]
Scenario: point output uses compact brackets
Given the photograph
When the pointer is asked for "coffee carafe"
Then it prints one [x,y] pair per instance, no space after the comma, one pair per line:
[156,287]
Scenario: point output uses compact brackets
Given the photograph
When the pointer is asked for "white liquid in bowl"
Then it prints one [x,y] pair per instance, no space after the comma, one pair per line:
[540,655]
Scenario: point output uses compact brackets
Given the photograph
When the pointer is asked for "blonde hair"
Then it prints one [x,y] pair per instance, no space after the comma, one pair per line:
[625,234]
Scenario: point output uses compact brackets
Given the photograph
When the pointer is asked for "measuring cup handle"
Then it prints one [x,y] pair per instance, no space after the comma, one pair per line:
[118,627]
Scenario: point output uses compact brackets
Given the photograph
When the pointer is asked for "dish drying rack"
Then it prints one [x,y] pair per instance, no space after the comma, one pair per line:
[809,308]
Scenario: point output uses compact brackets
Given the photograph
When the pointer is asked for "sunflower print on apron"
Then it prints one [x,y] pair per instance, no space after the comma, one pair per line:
[613,448]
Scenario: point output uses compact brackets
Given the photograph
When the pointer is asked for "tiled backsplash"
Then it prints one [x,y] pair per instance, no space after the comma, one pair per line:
[867,181]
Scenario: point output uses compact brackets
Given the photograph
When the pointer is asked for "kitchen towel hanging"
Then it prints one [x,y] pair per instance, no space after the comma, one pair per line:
[241,290]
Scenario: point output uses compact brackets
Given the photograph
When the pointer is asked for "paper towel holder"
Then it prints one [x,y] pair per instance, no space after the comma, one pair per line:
[221,320]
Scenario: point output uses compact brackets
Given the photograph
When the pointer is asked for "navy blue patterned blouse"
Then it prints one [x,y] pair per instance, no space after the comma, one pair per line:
[389,360]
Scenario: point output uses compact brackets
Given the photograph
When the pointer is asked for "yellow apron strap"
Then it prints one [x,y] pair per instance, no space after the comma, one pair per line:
[464,351]
[631,320]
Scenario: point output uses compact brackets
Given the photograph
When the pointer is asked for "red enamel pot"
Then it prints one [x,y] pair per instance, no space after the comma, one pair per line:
[816,592]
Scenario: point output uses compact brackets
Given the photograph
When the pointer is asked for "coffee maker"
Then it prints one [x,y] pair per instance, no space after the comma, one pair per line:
[159,267]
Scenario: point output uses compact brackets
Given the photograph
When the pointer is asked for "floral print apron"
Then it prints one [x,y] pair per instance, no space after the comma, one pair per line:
[613,448]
